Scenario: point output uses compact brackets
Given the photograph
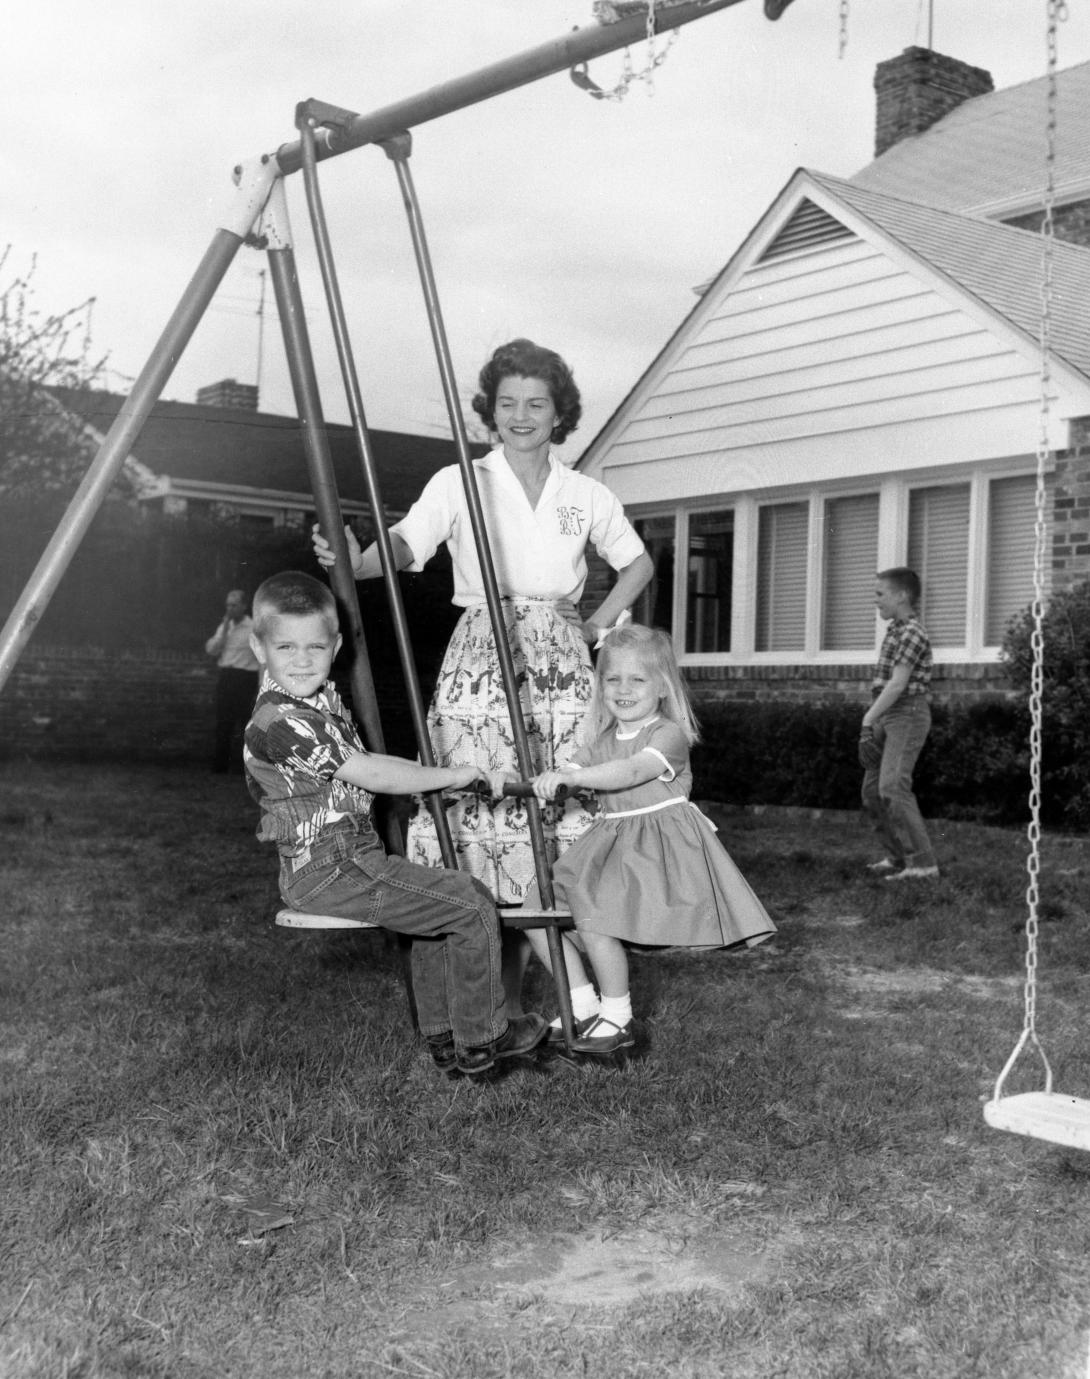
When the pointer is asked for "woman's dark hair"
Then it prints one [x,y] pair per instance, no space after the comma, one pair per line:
[524,359]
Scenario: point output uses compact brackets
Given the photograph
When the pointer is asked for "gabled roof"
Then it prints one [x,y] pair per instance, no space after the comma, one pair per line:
[988,155]
[998,264]
[973,261]
[261,451]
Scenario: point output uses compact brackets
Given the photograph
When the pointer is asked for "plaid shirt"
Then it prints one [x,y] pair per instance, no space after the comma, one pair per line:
[293,749]
[905,643]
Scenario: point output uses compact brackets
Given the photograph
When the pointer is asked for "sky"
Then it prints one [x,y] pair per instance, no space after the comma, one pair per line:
[584,224]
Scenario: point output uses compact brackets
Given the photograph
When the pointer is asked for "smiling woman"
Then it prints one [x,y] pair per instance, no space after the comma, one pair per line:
[540,516]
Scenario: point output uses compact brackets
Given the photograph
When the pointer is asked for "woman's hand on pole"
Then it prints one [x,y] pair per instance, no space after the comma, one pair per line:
[323,551]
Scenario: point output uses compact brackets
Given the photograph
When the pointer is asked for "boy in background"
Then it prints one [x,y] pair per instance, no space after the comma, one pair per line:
[895,728]
[314,782]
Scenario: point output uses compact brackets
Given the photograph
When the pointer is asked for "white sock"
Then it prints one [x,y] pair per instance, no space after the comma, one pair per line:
[584,1004]
[617,1010]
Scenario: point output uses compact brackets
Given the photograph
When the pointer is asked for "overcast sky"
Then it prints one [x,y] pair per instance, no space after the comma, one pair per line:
[584,224]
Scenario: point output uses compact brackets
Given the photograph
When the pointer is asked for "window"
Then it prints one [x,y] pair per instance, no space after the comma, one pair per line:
[1012,519]
[708,588]
[851,555]
[938,550]
[781,577]
[655,606]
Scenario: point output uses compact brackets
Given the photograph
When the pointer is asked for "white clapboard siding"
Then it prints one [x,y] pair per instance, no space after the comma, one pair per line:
[935,337]
[818,345]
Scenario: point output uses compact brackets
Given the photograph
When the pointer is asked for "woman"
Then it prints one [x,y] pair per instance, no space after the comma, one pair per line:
[540,517]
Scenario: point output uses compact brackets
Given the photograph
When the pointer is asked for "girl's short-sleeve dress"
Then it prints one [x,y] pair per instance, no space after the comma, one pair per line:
[650,869]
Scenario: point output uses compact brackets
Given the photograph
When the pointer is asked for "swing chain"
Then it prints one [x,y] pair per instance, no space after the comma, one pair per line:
[843,36]
[606,13]
[1057,11]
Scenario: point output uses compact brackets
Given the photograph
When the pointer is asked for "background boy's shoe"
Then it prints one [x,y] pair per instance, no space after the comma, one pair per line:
[610,1037]
[884,867]
[556,1032]
[521,1037]
[443,1053]
[915,874]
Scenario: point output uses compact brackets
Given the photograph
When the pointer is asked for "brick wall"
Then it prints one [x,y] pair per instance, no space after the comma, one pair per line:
[1070,223]
[1071,510]
[812,684]
[86,704]
[917,88]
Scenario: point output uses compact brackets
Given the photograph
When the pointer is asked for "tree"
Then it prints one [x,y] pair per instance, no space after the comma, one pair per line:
[44,449]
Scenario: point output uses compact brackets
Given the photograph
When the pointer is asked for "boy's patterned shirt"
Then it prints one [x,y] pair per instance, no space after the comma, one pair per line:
[905,643]
[293,749]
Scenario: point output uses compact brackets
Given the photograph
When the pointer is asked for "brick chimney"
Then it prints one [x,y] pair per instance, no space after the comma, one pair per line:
[917,89]
[229,393]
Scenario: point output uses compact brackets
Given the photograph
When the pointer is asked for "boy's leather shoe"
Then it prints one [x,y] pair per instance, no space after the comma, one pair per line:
[443,1053]
[521,1037]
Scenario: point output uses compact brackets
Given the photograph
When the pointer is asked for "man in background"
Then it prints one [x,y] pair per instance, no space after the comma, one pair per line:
[236,683]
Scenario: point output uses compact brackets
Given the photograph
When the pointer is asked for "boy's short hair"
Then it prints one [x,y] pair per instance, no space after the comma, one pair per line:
[293,594]
[905,581]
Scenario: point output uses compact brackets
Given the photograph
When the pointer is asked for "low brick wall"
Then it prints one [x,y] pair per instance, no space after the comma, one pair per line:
[829,684]
[87,704]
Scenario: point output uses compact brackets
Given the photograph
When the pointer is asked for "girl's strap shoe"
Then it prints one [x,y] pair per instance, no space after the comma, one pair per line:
[604,1036]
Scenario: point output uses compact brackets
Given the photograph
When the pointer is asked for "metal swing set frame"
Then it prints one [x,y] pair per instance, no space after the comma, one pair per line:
[258,216]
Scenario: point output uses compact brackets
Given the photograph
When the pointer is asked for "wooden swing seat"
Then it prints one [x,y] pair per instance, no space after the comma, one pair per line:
[299,919]
[1048,1116]
[517,917]
[521,917]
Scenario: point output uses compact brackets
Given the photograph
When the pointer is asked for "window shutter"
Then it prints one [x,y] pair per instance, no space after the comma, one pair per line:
[938,550]
[781,577]
[1011,524]
[851,554]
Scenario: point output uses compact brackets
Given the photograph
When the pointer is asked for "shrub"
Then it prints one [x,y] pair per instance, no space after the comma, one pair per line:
[1065,737]
[974,765]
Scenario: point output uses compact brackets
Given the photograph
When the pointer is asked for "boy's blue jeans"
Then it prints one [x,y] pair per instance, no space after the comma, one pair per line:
[887,790]
[449,916]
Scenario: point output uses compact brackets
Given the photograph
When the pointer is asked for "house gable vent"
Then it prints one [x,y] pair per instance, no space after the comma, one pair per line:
[807,228]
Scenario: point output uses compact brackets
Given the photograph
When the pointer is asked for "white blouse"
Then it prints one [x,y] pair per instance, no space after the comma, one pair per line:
[537,552]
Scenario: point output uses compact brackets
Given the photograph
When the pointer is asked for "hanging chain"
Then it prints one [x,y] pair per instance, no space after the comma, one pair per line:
[1057,11]
[843,39]
[607,13]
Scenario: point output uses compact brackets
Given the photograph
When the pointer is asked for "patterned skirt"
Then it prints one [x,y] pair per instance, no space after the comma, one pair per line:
[468,721]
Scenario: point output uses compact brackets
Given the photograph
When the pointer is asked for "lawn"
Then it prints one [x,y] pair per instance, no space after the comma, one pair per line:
[224,1152]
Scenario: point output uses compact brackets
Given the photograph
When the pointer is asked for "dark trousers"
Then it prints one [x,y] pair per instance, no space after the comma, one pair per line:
[450,917]
[236,691]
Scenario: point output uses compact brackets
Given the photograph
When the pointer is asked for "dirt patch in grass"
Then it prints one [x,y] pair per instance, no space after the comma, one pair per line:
[601,1269]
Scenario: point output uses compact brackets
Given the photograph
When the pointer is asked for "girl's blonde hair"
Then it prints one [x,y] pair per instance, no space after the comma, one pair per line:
[656,651]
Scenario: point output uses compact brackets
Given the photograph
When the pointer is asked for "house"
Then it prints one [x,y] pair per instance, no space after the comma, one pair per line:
[860,386]
[205,458]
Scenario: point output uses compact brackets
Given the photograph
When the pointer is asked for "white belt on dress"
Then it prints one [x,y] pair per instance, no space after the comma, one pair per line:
[654,808]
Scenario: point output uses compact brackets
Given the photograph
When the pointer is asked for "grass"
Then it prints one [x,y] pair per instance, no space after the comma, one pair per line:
[803,1124]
